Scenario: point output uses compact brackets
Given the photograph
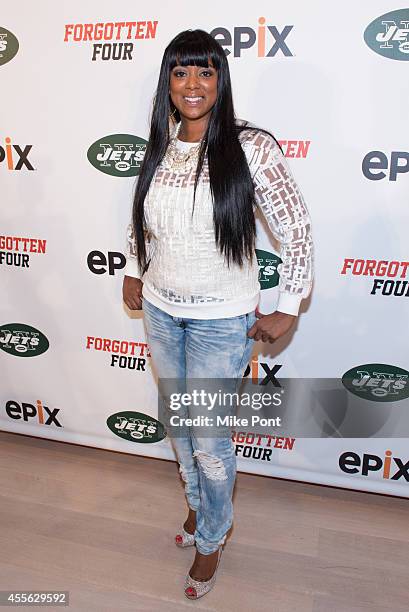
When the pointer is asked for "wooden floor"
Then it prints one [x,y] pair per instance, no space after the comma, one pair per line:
[101,525]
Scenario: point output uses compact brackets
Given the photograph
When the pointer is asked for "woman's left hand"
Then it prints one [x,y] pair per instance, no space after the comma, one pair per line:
[272,326]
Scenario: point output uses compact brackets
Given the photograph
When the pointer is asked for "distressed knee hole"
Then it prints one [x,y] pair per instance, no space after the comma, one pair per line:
[213,467]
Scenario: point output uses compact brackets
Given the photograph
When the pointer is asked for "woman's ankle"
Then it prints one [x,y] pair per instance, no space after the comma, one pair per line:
[190,523]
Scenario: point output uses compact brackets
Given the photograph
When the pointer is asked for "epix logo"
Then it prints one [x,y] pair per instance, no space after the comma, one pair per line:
[15,156]
[99,263]
[269,39]
[30,413]
[375,162]
[351,463]
[261,373]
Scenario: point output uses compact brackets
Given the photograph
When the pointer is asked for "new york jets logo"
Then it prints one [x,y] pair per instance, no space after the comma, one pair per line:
[118,154]
[388,35]
[268,264]
[8,46]
[377,382]
[136,427]
[22,340]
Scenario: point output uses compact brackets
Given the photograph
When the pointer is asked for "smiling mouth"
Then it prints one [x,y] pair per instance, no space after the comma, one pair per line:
[193,100]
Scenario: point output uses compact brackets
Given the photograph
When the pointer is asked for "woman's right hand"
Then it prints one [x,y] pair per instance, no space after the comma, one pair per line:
[132,292]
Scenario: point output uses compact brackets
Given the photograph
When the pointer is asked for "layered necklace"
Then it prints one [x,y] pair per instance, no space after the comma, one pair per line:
[181,161]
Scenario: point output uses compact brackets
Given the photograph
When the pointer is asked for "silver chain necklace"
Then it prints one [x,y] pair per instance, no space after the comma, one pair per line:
[181,161]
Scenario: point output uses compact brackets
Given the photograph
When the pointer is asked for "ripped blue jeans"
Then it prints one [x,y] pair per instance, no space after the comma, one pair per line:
[185,348]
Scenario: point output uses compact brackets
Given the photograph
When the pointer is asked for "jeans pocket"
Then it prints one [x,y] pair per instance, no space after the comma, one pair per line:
[250,320]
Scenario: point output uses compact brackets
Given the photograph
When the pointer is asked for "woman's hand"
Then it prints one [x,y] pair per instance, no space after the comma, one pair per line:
[272,326]
[132,292]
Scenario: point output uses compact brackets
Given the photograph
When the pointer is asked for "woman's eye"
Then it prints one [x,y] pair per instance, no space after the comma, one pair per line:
[206,73]
[179,73]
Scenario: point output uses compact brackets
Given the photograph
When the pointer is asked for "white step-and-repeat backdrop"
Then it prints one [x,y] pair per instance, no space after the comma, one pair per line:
[77,81]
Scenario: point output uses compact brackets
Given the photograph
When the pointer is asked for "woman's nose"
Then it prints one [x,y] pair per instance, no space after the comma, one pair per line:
[192,81]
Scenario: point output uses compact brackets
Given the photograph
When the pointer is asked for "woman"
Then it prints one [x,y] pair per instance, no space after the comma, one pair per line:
[192,239]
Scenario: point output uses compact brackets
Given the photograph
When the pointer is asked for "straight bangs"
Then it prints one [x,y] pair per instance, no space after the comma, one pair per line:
[194,53]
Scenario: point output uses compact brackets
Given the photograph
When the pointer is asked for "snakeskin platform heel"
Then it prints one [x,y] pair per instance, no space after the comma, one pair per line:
[185,539]
[194,589]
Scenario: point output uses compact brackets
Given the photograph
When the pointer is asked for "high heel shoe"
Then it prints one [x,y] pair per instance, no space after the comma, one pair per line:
[195,588]
[185,539]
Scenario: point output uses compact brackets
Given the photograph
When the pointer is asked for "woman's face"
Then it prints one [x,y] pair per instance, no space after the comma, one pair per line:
[193,90]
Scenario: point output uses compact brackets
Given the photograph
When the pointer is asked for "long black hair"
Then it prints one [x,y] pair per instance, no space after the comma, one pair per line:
[231,184]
